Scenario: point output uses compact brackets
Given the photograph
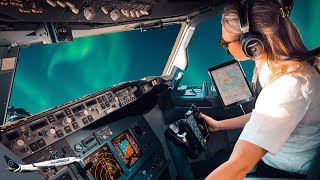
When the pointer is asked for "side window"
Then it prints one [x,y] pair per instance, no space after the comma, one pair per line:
[204,52]
[305,15]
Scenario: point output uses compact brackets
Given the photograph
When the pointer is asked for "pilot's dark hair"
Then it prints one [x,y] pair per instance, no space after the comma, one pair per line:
[283,42]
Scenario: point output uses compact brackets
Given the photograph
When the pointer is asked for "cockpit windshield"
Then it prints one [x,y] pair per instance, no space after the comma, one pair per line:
[48,75]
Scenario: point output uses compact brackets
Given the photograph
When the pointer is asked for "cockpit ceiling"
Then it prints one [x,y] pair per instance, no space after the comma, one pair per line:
[94,11]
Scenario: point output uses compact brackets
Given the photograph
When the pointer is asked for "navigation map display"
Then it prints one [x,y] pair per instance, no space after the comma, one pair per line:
[230,83]
[127,148]
[105,166]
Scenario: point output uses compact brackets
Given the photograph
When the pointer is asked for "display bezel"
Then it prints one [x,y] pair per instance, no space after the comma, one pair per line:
[217,89]
[117,148]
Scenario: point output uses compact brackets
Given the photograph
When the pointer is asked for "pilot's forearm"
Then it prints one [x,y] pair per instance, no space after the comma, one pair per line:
[244,157]
[234,123]
[228,171]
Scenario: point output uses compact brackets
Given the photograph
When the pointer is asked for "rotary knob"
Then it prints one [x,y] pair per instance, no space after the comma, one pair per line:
[51,132]
[78,147]
[66,121]
[143,172]
[17,144]
[27,134]
[99,110]
[86,112]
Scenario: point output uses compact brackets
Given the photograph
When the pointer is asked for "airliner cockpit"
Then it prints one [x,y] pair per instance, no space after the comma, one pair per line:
[127,89]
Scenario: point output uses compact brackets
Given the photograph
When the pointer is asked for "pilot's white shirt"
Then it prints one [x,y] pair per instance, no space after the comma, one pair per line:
[286,120]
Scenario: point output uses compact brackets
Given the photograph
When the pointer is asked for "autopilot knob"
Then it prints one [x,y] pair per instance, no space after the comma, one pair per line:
[17,144]
[66,121]
[86,112]
[50,132]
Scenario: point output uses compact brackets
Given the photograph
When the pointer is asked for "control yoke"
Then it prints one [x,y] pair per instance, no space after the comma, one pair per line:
[191,133]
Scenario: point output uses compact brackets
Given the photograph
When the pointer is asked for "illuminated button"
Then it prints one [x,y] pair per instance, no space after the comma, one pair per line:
[62,4]
[103,106]
[109,95]
[75,125]
[132,13]
[60,134]
[68,129]
[104,98]
[68,112]
[70,4]
[41,143]
[52,3]
[85,121]
[34,147]
[90,118]
[72,119]
[75,10]
[78,147]
[99,99]
[138,14]
[51,119]
[104,10]
[127,13]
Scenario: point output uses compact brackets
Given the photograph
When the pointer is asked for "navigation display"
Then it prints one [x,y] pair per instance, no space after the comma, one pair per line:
[230,83]
[127,148]
[105,166]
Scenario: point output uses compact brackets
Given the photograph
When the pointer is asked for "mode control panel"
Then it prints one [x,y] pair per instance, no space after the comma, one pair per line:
[50,126]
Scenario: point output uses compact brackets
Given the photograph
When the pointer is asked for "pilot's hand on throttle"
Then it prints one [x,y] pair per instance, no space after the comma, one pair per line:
[213,125]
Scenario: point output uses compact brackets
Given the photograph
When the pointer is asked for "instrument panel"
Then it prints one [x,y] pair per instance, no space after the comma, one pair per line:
[48,127]
[85,128]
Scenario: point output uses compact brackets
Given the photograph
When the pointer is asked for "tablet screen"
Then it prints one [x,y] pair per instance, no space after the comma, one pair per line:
[230,83]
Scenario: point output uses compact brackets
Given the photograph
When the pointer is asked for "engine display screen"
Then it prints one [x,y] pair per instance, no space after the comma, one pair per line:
[127,148]
[105,166]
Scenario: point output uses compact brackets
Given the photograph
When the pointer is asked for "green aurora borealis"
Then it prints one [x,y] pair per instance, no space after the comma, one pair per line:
[50,75]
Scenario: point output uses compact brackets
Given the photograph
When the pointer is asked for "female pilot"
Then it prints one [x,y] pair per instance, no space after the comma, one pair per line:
[282,133]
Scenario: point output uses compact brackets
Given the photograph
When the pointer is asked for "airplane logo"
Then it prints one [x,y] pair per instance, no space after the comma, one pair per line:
[14,167]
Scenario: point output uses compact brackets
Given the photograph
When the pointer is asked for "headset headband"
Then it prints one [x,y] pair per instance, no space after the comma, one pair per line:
[244,16]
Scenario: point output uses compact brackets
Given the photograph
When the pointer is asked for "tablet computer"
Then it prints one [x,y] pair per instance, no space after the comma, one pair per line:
[231,83]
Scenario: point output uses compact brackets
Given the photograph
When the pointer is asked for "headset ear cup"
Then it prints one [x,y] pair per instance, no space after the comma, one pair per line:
[252,44]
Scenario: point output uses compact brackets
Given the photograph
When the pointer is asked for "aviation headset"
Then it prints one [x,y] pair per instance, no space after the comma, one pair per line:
[253,43]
